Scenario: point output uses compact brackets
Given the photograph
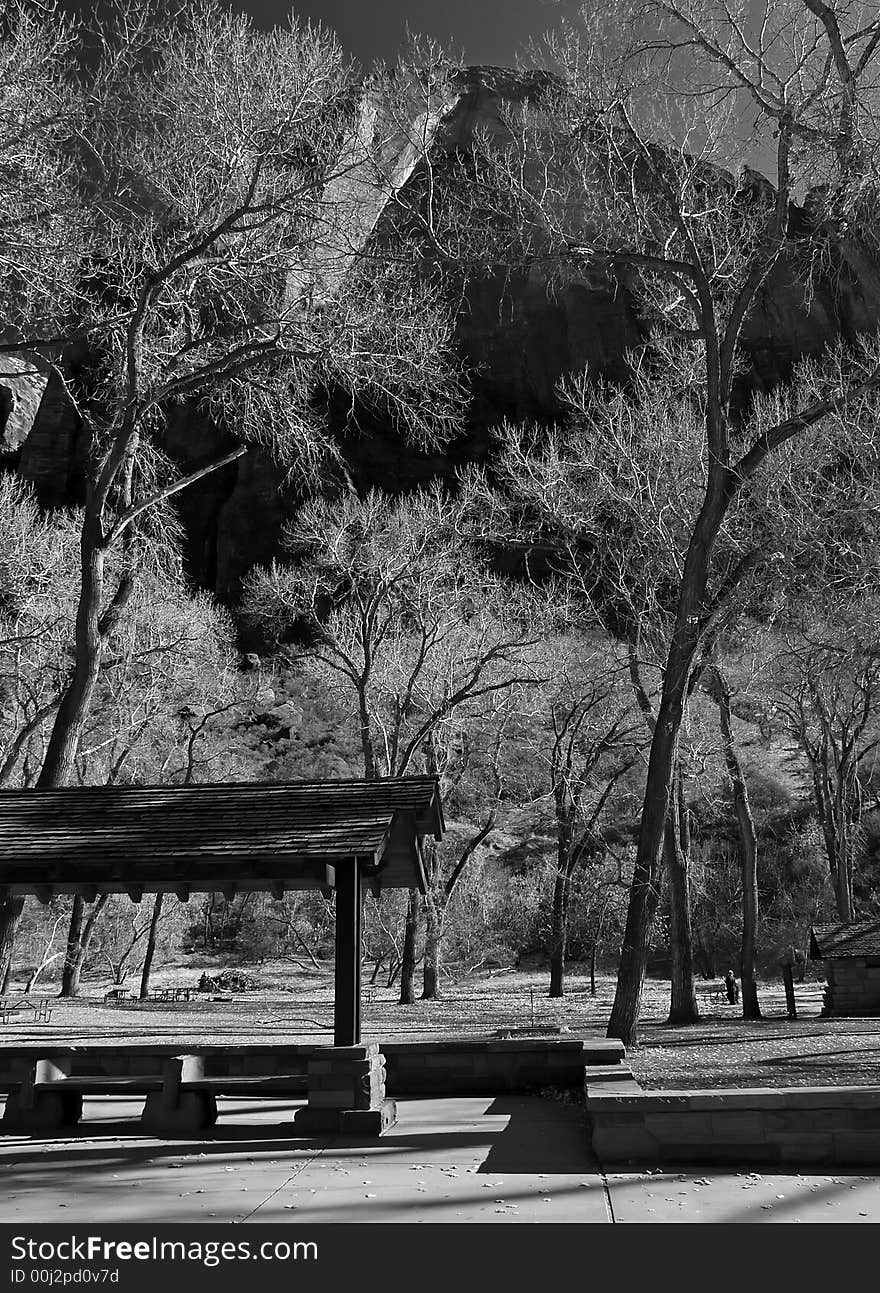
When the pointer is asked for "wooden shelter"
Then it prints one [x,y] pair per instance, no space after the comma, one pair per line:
[329,835]
[851,952]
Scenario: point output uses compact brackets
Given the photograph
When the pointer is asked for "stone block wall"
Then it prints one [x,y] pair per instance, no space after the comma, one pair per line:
[485,1067]
[462,1067]
[829,1125]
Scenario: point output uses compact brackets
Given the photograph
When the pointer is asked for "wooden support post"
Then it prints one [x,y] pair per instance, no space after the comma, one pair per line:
[347,1007]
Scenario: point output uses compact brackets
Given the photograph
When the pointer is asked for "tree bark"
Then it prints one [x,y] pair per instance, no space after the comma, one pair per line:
[433,948]
[558,934]
[408,961]
[645,888]
[683,998]
[77,699]
[72,959]
[10,914]
[78,958]
[151,947]
[748,850]
[843,885]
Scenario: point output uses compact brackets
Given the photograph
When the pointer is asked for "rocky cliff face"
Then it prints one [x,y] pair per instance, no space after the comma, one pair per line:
[517,339]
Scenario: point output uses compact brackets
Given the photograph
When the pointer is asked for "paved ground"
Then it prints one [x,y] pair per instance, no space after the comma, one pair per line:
[509,1159]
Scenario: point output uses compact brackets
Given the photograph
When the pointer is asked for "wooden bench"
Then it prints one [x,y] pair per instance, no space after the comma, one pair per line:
[716,993]
[46,1086]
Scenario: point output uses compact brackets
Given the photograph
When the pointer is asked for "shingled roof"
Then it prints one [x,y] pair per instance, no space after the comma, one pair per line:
[845,939]
[274,836]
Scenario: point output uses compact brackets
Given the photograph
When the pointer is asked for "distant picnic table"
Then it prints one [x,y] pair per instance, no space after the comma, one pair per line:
[11,1008]
[173,992]
[119,996]
[176,992]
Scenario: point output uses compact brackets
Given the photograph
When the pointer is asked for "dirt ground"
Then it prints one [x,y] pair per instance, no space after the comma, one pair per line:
[721,1051]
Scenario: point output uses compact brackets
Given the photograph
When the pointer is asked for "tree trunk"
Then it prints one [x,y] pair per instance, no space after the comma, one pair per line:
[408,961]
[77,699]
[683,1002]
[434,929]
[40,969]
[843,887]
[72,959]
[151,947]
[832,817]
[748,849]
[558,934]
[73,709]
[645,889]
[10,914]
[78,959]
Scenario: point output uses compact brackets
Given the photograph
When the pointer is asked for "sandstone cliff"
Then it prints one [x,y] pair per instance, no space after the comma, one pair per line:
[515,337]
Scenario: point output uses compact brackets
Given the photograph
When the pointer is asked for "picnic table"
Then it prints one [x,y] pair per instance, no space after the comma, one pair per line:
[119,996]
[176,992]
[11,1008]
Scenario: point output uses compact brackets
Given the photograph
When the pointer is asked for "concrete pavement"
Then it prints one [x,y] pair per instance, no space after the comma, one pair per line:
[464,1159]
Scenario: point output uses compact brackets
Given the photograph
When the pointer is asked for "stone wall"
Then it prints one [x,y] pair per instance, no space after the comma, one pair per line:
[482,1067]
[462,1067]
[839,1125]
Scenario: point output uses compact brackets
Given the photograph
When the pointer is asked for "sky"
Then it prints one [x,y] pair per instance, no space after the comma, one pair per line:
[486,31]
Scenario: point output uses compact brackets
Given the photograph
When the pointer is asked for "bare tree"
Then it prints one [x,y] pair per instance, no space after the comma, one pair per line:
[205,165]
[585,740]
[469,750]
[825,693]
[410,633]
[47,955]
[617,177]
[43,235]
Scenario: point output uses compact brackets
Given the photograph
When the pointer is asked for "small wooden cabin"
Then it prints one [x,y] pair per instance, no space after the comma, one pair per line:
[851,952]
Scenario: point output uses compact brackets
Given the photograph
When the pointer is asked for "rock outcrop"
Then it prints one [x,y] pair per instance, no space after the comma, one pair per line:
[515,336]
